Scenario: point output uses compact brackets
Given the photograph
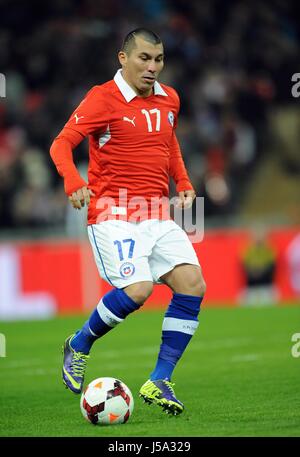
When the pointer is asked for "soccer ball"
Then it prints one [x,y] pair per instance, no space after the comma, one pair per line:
[106,401]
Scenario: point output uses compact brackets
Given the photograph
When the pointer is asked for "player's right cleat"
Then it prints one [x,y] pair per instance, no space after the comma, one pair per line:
[161,392]
[74,365]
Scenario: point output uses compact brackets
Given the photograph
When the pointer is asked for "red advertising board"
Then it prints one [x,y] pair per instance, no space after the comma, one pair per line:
[63,274]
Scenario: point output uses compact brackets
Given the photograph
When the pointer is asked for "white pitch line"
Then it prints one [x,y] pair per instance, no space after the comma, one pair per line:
[245,358]
[217,344]
[99,354]
[22,363]
[56,371]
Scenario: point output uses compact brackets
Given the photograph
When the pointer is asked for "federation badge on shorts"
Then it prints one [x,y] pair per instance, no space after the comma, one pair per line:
[127,269]
[171,118]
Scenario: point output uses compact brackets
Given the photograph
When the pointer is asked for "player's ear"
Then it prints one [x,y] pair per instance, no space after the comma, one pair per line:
[122,57]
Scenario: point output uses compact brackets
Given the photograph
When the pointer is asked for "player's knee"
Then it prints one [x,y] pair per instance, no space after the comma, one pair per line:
[140,291]
[195,285]
[197,288]
[200,286]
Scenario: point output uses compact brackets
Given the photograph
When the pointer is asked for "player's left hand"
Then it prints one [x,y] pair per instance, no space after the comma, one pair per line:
[185,199]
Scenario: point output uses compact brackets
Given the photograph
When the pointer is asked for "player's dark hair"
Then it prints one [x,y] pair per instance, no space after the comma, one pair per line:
[146,34]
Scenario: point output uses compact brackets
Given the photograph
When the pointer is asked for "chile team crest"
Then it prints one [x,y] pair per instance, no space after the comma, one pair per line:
[171,118]
[127,269]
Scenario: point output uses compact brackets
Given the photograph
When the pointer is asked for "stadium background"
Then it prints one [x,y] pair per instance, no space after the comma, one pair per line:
[232,63]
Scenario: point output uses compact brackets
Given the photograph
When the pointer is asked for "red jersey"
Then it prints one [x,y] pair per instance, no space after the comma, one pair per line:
[133,148]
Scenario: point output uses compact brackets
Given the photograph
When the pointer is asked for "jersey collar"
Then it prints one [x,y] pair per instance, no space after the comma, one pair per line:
[127,91]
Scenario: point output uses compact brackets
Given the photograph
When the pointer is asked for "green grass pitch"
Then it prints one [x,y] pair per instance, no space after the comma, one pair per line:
[237,377]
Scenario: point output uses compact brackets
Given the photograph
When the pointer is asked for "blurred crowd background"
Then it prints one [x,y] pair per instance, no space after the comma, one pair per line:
[231,63]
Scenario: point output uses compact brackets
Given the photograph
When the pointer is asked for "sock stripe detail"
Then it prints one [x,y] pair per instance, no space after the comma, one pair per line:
[180,325]
[94,334]
[107,316]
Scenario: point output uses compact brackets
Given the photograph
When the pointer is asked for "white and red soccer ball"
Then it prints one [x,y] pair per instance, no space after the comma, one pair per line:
[106,401]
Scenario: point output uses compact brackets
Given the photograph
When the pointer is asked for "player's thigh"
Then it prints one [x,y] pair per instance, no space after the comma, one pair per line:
[120,253]
[171,249]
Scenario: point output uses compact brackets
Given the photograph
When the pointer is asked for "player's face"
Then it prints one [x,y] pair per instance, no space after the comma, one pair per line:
[142,66]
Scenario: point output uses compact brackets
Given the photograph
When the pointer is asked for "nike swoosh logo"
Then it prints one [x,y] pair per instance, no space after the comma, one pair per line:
[74,383]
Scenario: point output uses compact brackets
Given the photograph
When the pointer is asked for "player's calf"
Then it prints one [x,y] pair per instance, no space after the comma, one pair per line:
[111,311]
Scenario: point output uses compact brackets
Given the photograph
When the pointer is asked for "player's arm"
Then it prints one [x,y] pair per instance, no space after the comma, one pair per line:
[61,152]
[178,172]
[87,118]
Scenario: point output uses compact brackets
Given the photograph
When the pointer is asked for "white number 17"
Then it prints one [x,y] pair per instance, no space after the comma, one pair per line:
[148,118]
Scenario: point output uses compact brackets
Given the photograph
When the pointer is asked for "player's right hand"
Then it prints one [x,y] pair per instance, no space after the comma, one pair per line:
[81,197]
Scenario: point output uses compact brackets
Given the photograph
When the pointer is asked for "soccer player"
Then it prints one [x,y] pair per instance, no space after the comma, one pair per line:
[133,150]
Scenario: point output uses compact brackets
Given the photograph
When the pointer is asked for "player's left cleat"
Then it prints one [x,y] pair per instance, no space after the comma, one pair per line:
[74,366]
[161,393]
